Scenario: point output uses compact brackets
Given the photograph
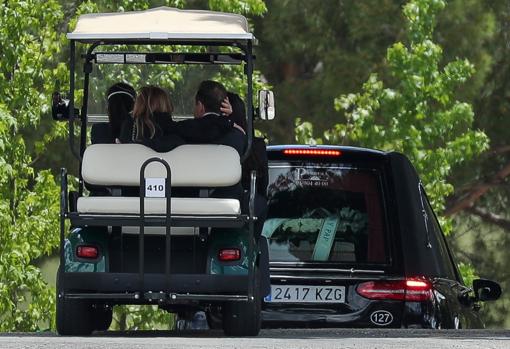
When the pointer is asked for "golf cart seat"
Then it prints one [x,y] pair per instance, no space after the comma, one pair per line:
[155,206]
[199,166]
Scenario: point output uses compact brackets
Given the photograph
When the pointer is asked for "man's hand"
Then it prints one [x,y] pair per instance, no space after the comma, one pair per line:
[226,107]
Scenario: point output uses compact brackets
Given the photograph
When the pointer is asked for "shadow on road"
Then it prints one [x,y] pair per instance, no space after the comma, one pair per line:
[325,333]
[303,334]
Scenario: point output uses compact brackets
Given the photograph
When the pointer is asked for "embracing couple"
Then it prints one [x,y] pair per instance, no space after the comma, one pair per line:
[220,118]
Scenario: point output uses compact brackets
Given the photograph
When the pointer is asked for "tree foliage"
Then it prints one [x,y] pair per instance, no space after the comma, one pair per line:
[28,199]
[419,114]
[32,35]
[313,50]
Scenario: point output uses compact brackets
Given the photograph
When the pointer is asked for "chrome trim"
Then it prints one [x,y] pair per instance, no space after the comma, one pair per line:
[337,167]
[286,278]
[331,270]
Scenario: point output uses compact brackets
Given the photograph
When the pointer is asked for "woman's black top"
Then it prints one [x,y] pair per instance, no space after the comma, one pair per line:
[101,134]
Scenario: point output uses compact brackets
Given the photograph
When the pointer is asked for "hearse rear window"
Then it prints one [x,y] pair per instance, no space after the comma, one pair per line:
[325,214]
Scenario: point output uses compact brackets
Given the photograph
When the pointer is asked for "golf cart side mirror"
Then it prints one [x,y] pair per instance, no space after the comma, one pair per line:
[266,105]
[60,107]
[486,290]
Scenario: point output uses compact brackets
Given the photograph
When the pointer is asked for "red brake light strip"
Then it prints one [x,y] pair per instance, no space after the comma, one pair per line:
[313,152]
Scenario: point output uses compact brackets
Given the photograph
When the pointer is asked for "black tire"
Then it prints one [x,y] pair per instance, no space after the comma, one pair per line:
[243,318]
[73,317]
[103,316]
[214,319]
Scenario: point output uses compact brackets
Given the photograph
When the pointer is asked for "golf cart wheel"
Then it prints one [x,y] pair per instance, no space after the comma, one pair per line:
[74,317]
[103,316]
[214,320]
[243,318]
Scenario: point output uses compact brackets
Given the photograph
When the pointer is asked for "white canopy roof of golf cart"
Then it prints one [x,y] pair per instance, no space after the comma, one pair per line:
[162,23]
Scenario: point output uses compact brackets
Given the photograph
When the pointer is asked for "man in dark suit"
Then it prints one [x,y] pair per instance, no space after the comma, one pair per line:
[209,107]
[210,124]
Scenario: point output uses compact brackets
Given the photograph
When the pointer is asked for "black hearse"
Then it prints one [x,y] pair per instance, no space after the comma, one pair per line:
[353,241]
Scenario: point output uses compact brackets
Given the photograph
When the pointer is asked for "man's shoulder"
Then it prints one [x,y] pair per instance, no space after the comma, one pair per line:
[214,117]
[210,113]
[235,139]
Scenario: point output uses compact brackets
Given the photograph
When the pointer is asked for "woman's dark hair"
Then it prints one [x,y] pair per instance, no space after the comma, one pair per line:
[121,99]
[238,109]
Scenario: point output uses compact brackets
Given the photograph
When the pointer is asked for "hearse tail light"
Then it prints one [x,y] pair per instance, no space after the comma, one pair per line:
[410,290]
[229,254]
[88,252]
[418,290]
[312,152]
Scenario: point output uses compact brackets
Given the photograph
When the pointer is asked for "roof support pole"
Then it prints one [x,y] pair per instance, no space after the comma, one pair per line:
[249,99]
[87,69]
[72,59]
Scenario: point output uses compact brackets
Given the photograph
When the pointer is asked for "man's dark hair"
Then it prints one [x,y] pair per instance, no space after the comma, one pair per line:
[211,94]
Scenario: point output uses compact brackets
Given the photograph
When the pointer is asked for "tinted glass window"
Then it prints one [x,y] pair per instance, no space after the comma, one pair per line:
[435,230]
[325,213]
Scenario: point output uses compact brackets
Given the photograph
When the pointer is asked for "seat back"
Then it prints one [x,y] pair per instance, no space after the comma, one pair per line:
[192,165]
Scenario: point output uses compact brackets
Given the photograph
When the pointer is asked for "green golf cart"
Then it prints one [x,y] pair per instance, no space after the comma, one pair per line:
[183,254]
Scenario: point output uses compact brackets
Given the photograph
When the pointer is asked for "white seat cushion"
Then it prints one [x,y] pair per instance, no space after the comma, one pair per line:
[180,206]
[192,165]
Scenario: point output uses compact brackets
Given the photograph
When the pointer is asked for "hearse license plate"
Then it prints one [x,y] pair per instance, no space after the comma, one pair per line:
[306,294]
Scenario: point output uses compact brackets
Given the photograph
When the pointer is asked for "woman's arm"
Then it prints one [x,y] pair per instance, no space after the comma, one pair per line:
[203,130]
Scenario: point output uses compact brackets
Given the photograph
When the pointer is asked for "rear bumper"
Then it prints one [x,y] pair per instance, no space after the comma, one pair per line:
[129,287]
[292,316]
[272,317]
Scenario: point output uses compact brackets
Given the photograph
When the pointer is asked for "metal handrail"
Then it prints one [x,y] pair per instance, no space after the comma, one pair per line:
[168,220]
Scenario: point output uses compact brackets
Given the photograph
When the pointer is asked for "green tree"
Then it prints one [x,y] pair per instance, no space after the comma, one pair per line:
[312,50]
[419,115]
[480,205]
[28,199]
[32,35]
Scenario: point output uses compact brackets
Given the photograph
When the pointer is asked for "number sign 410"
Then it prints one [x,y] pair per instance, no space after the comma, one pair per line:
[155,187]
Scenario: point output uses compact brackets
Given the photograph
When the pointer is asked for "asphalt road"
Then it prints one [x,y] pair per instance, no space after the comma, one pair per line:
[283,338]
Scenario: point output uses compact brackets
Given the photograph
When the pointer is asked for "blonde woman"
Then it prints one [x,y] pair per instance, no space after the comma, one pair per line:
[152,123]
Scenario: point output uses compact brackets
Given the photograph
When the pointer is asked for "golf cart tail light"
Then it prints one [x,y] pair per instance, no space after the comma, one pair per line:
[229,254]
[89,252]
[312,152]
[410,290]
